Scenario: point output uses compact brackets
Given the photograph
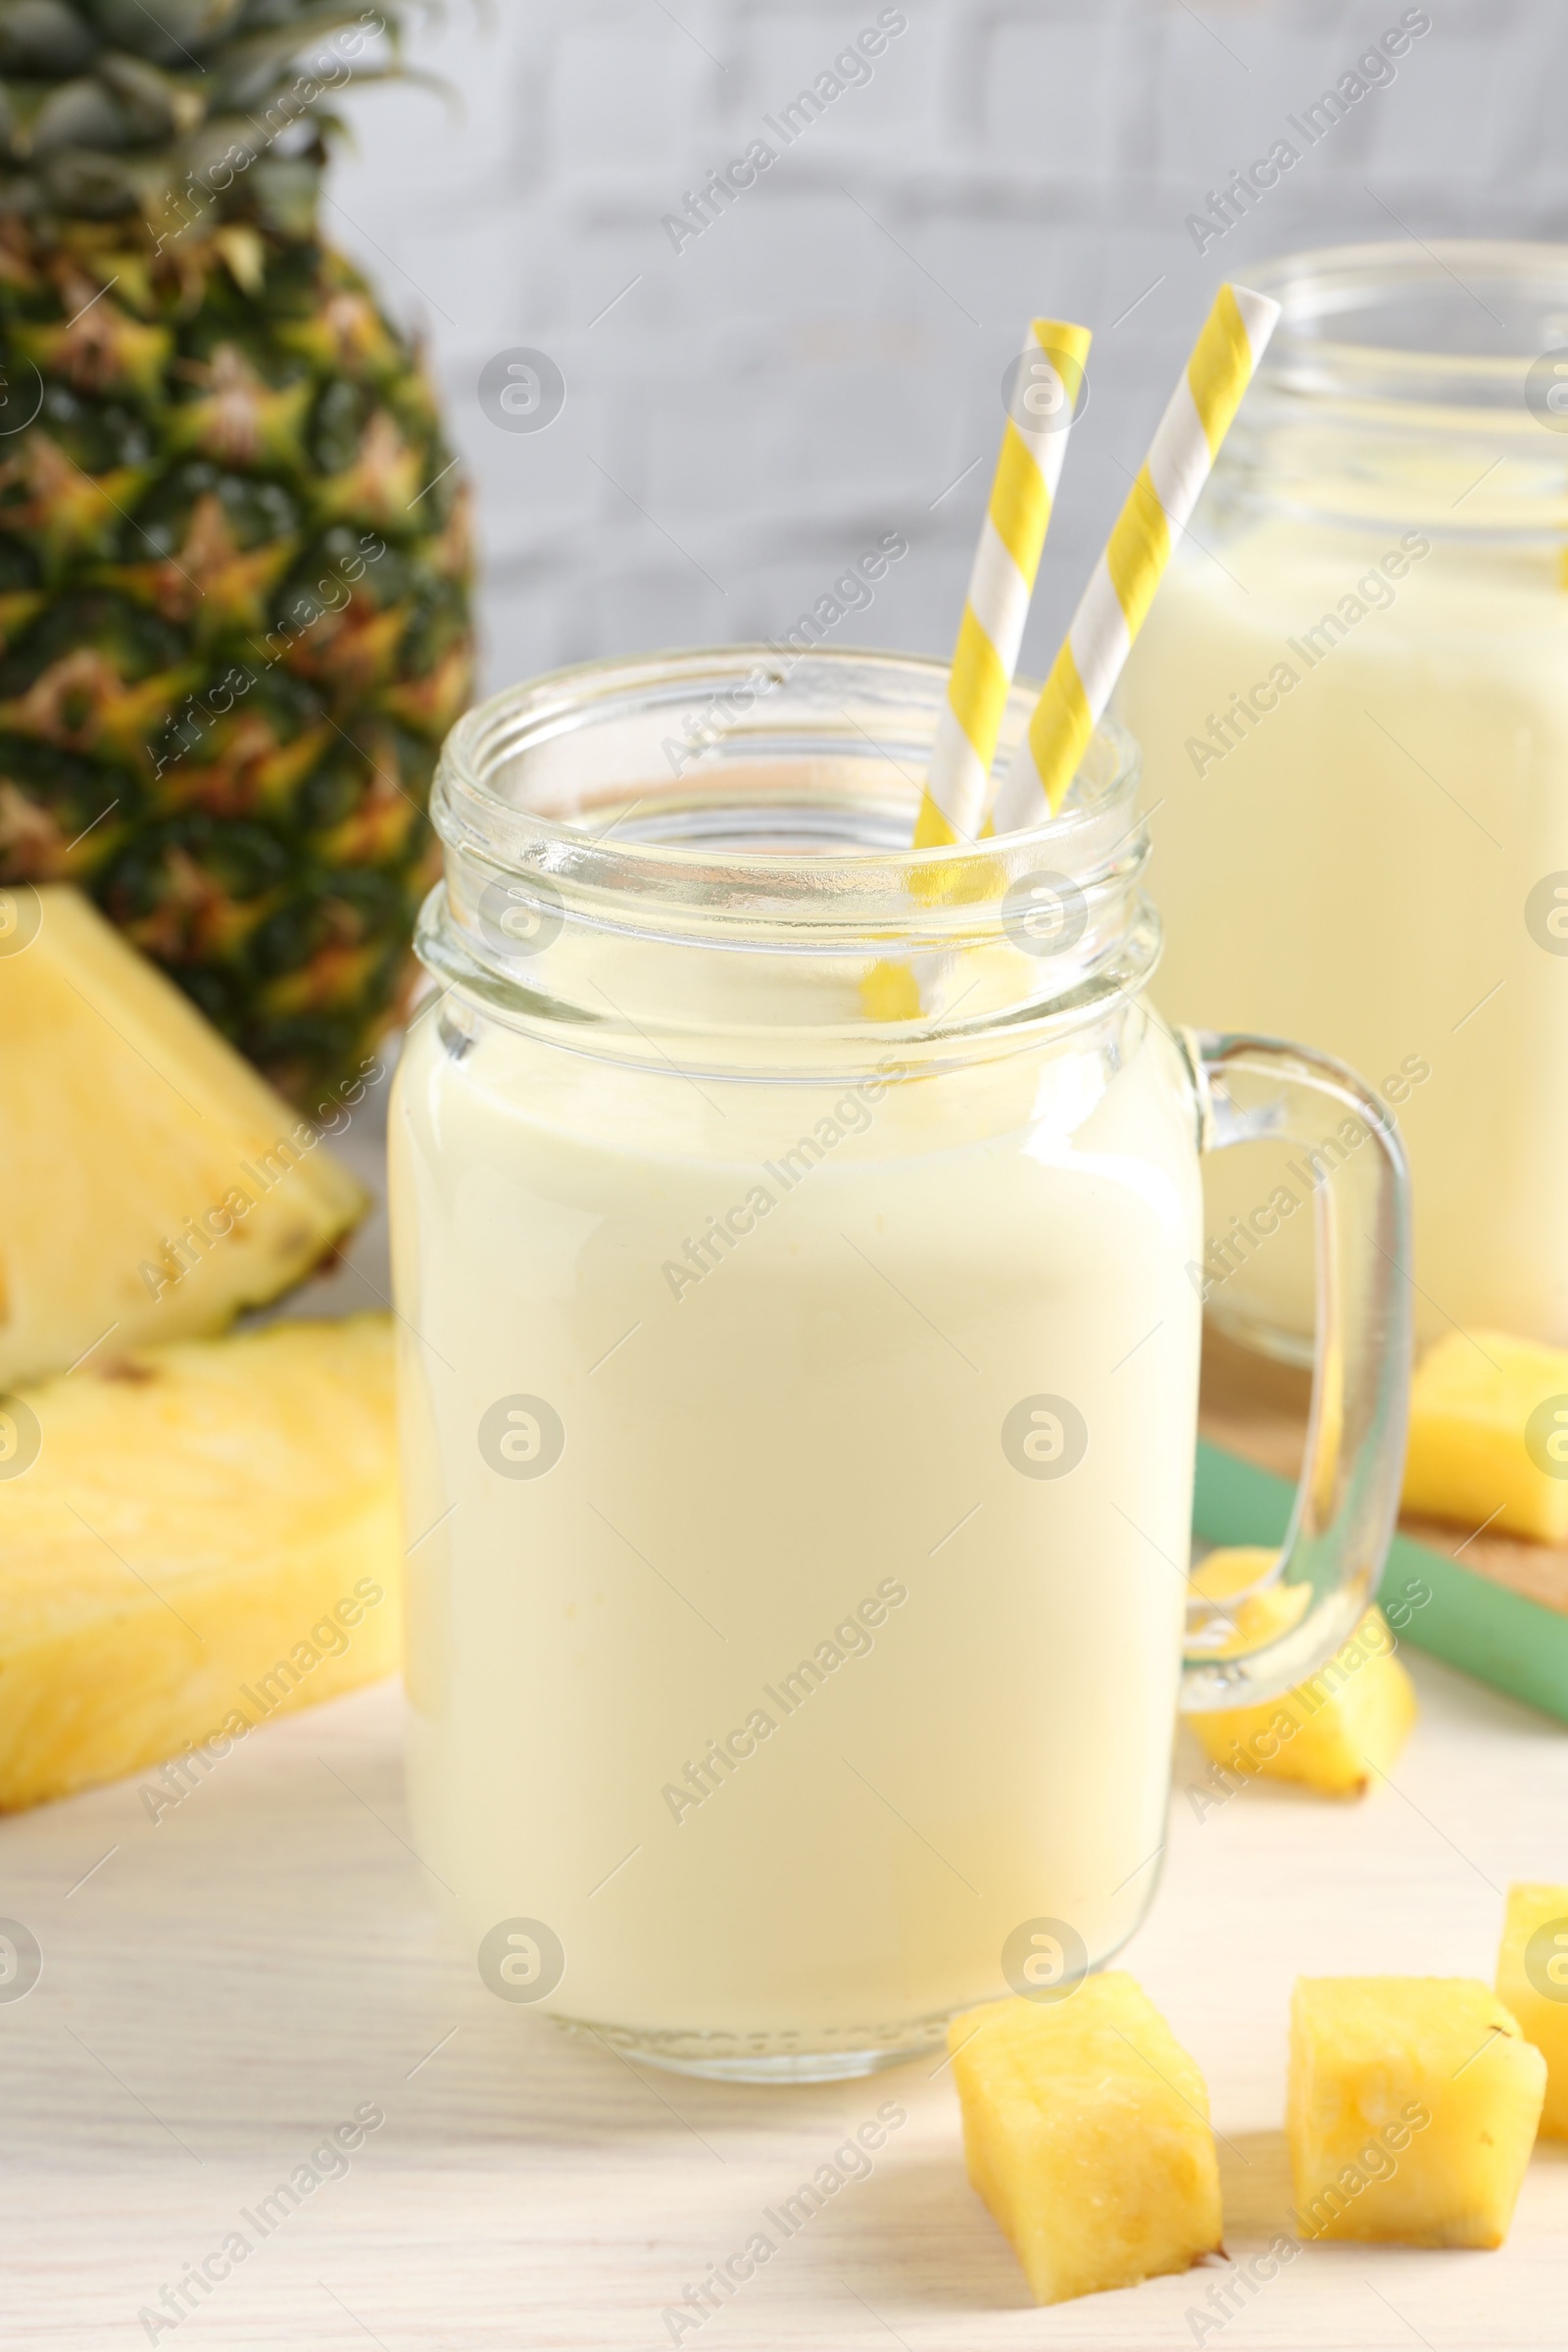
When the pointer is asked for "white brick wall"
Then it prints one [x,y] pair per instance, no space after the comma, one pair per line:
[825,359]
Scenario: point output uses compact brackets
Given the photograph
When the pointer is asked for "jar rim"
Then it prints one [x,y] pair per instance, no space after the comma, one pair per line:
[777,884]
[475,817]
[1479,361]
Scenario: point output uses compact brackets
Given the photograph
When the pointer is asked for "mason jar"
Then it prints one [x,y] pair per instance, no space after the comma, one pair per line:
[1352,696]
[798,1251]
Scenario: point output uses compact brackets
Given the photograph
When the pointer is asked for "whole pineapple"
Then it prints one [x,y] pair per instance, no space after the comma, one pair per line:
[233,555]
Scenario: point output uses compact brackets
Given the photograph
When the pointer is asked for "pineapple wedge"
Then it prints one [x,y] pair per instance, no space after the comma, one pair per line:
[1489,1435]
[152,1184]
[1533,1981]
[192,1540]
[1331,1732]
[1413,2106]
[1086,2132]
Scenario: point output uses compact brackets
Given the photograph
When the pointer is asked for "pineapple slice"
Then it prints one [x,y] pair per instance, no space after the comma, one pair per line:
[153,1184]
[1332,1731]
[1489,1435]
[1413,2106]
[192,1540]
[1085,2131]
[1532,1980]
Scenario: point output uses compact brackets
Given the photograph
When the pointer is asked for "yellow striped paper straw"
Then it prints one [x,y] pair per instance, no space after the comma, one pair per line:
[957,784]
[1158,507]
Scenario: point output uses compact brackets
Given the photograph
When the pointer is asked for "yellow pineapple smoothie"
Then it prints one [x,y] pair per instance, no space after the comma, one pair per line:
[1357,864]
[799,1672]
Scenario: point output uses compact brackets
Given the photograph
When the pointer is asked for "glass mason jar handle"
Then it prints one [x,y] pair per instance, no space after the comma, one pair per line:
[1252,1647]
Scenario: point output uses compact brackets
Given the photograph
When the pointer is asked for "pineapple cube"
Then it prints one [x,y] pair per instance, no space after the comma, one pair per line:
[192,1540]
[153,1183]
[1532,1980]
[1489,1435]
[1412,2110]
[1332,1731]
[1250,1605]
[1086,2132]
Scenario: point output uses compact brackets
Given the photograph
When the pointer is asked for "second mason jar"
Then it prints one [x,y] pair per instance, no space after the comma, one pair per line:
[1352,697]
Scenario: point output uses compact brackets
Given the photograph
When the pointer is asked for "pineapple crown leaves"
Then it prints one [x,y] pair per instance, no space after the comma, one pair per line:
[191,110]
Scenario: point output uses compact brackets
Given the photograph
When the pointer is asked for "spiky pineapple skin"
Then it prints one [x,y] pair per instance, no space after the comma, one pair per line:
[234,619]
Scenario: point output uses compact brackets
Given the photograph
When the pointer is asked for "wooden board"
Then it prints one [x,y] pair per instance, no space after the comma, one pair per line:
[1256,1408]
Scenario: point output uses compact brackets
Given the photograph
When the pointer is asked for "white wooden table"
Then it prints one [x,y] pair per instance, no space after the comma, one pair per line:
[222,1990]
